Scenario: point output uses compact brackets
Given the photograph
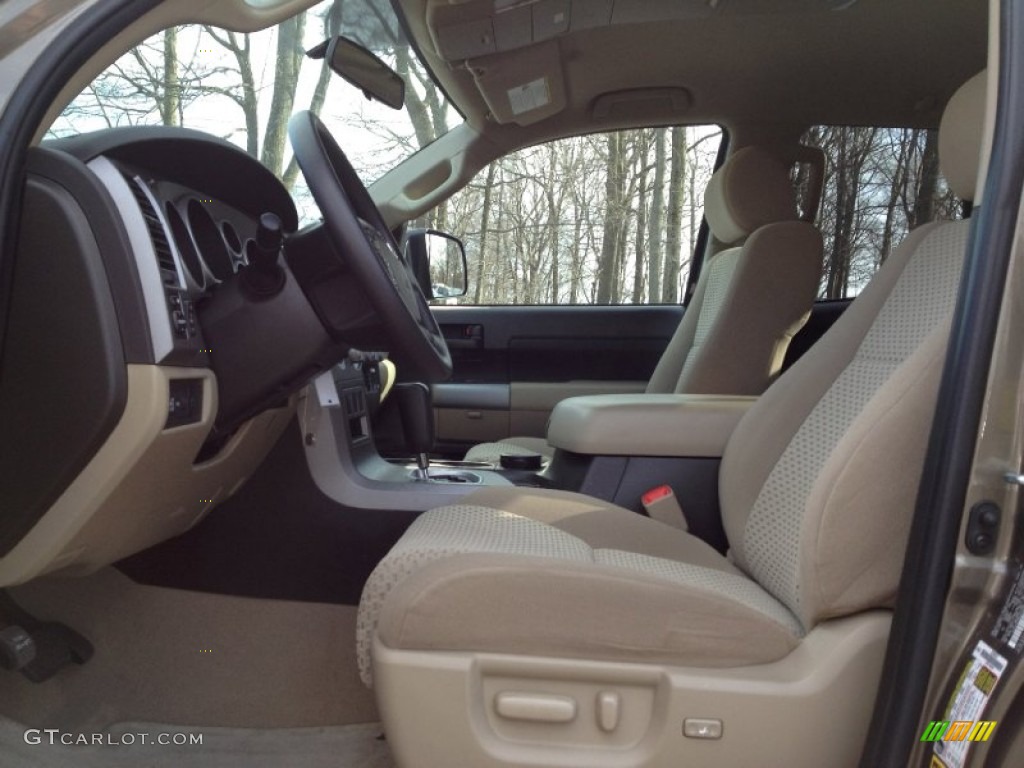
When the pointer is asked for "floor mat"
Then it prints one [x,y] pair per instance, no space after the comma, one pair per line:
[153,745]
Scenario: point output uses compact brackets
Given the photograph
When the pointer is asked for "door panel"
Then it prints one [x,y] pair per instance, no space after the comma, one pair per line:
[513,364]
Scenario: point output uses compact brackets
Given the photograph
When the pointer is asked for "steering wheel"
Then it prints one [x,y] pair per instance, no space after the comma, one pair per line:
[357,230]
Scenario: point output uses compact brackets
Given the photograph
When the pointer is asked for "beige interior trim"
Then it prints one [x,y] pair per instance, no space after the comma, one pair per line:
[647,425]
[472,425]
[141,487]
[388,374]
[177,656]
[991,98]
[440,708]
[544,396]
[531,403]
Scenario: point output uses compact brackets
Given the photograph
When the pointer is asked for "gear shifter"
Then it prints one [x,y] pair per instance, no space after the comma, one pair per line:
[263,277]
[417,413]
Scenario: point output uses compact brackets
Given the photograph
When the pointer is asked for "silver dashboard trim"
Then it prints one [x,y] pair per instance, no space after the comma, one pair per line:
[153,293]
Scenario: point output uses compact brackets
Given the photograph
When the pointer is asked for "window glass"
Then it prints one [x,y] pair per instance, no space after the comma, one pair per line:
[601,219]
[245,87]
[879,184]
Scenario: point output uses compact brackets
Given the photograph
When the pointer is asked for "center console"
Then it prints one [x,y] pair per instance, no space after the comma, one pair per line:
[621,447]
[335,416]
[613,447]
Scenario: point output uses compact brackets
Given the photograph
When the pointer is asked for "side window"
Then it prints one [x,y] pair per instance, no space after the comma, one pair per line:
[601,219]
[879,184]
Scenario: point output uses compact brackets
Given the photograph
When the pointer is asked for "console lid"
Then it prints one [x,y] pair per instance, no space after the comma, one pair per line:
[646,425]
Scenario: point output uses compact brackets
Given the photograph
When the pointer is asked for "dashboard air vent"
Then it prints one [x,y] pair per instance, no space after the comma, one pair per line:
[164,258]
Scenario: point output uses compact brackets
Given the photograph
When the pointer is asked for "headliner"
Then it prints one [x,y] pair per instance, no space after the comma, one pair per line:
[786,62]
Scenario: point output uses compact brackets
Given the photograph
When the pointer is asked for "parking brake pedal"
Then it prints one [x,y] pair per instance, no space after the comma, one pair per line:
[38,649]
[17,648]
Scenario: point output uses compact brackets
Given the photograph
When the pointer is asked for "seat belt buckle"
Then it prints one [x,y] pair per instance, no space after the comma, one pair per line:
[662,505]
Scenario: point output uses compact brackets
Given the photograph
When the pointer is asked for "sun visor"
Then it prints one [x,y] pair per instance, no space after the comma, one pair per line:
[523,86]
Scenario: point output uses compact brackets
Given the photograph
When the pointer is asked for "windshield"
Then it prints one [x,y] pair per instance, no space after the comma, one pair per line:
[244,87]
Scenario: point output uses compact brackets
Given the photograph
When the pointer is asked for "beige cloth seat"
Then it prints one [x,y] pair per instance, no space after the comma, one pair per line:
[817,490]
[749,301]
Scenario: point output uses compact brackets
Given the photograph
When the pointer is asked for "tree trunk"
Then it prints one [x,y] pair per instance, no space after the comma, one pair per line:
[641,227]
[907,142]
[170,104]
[250,104]
[615,180]
[485,220]
[835,287]
[415,107]
[577,263]
[331,25]
[241,49]
[676,188]
[497,279]
[928,181]
[657,218]
[553,218]
[286,75]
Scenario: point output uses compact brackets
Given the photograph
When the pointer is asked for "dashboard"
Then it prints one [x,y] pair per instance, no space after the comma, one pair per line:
[148,370]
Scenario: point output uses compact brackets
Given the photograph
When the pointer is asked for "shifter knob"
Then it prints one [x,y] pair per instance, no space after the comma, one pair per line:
[263,277]
[417,422]
[268,233]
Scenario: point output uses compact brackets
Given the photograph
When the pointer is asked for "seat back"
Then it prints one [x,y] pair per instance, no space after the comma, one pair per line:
[750,298]
[818,481]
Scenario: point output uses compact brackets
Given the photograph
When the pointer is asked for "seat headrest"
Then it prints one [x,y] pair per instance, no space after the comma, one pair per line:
[960,136]
[751,189]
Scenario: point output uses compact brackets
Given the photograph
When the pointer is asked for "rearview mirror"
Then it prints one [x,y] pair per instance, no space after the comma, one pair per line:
[364,69]
[439,262]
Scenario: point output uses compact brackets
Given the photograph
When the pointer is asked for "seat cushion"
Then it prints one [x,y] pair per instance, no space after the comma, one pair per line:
[486,579]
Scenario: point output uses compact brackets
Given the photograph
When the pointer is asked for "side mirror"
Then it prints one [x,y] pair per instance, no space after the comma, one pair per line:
[438,261]
[364,69]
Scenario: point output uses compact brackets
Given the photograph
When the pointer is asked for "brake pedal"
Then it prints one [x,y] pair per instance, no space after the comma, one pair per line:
[38,649]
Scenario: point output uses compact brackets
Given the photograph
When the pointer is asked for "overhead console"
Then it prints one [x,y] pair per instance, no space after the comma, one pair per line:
[514,50]
[468,29]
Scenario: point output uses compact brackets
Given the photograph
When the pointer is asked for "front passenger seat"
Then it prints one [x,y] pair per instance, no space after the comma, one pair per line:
[543,628]
[750,298]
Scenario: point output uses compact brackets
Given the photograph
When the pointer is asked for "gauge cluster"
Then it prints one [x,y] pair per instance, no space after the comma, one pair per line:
[199,242]
[210,237]
[210,233]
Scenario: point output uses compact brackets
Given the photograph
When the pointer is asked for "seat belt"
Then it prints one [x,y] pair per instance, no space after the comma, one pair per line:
[661,504]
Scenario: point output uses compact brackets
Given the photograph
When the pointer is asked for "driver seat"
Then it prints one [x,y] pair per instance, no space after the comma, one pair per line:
[527,628]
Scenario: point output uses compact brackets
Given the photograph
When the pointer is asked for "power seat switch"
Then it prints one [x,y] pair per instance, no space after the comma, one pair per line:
[983,528]
[702,728]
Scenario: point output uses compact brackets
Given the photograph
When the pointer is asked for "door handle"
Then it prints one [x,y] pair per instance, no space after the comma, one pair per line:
[463,336]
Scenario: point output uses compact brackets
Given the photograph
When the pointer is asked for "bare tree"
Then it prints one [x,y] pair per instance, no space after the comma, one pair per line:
[657,218]
[673,247]
[615,187]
